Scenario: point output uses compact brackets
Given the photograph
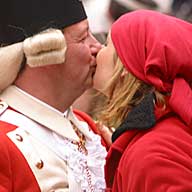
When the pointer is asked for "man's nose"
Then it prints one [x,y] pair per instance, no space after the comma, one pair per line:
[95,46]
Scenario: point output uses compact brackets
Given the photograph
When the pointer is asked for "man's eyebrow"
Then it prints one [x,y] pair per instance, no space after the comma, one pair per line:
[85,30]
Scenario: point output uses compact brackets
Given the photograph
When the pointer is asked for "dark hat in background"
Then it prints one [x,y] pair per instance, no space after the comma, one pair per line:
[138,4]
[20,19]
[120,7]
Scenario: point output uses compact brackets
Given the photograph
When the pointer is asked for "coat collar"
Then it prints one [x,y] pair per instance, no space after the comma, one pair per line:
[141,117]
[41,114]
[125,137]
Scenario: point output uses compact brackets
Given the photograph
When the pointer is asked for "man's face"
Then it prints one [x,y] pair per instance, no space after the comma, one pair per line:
[80,64]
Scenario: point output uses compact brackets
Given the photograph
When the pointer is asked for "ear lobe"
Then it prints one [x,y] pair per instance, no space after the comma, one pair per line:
[124,73]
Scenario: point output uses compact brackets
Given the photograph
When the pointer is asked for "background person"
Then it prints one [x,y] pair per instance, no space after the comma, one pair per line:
[47,60]
[120,7]
[182,9]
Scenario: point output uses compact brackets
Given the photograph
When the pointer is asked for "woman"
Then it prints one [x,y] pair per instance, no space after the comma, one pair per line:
[147,66]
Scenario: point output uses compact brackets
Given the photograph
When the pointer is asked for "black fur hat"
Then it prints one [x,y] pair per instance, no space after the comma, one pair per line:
[23,18]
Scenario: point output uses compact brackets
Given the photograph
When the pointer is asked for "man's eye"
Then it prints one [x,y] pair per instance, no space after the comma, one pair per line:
[83,39]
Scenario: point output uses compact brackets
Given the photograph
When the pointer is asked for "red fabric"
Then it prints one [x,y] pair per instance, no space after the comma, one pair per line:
[157,49]
[155,160]
[85,117]
[15,173]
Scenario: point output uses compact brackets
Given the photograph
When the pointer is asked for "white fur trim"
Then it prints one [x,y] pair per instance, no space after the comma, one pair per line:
[47,58]
[46,48]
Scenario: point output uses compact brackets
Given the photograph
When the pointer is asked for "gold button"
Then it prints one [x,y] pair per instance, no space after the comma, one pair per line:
[39,164]
[19,138]
[1,105]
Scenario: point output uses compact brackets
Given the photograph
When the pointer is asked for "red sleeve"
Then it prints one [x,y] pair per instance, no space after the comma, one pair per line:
[15,173]
[85,117]
[5,168]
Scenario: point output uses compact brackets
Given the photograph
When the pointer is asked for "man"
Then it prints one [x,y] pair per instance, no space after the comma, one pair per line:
[47,60]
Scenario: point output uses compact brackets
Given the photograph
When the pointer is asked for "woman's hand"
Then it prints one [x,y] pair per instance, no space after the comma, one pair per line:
[105,133]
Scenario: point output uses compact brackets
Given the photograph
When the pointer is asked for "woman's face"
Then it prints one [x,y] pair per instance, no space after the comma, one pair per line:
[105,66]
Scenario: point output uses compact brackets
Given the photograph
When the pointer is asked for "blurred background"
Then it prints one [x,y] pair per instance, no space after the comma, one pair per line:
[102,13]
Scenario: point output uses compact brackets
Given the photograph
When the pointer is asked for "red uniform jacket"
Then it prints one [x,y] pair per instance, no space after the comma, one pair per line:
[15,173]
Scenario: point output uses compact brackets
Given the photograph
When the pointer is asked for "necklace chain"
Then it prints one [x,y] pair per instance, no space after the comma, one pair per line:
[81,143]
[82,149]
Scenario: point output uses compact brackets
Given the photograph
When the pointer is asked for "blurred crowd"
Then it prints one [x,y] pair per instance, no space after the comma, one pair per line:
[101,14]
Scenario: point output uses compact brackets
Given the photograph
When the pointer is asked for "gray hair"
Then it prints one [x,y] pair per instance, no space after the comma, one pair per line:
[45,48]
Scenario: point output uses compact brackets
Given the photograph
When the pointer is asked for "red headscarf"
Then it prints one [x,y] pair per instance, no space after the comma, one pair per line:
[157,49]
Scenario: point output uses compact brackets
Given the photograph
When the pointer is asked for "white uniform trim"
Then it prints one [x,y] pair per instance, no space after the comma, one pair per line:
[53,175]
[38,112]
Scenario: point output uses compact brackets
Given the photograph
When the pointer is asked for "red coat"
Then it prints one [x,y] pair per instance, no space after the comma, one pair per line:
[156,160]
[15,173]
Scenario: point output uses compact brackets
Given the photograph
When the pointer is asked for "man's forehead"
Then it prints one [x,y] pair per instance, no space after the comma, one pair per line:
[80,26]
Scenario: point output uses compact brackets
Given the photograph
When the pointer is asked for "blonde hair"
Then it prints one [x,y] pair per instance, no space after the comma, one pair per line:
[126,91]
[45,48]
